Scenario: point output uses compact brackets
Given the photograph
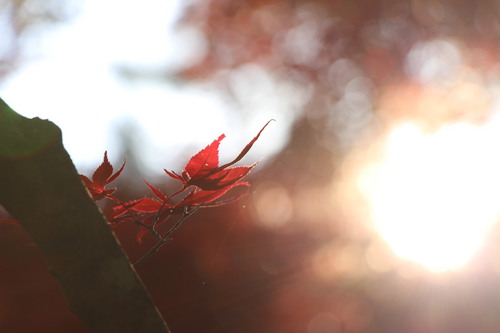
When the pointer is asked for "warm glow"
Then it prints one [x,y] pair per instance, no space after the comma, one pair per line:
[433,196]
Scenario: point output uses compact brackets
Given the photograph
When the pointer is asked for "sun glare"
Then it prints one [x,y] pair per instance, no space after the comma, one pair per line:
[433,196]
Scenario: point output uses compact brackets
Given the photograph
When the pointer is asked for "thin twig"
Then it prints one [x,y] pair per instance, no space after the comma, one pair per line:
[135,218]
[164,238]
[156,219]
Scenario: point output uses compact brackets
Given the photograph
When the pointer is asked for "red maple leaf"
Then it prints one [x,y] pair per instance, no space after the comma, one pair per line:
[203,169]
[155,211]
[158,209]
[101,177]
[206,198]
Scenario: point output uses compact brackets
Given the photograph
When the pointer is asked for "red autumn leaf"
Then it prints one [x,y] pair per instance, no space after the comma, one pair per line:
[223,178]
[199,197]
[147,205]
[101,177]
[157,210]
[204,161]
[159,194]
[246,149]
[150,211]
[203,169]
[200,164]
[211,182]
[121,210]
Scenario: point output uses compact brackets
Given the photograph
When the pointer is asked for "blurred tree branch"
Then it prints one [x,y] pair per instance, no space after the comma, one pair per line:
[41,188]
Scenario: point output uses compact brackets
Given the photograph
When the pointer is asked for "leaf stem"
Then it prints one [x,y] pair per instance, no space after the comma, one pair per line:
[164,238]
[133,216]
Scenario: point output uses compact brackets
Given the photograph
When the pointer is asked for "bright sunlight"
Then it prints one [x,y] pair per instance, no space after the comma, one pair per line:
[433,196]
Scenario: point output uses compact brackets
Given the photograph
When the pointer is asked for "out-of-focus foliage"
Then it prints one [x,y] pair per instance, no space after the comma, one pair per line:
[341,54]
[355,65]
[310,36]
[19,20]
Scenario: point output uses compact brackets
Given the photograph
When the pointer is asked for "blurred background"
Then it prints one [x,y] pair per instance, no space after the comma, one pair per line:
[375,205]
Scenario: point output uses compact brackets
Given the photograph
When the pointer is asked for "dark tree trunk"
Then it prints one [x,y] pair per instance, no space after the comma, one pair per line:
[40,187]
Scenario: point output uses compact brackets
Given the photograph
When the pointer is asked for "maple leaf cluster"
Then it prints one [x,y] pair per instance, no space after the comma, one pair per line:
[203,182]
